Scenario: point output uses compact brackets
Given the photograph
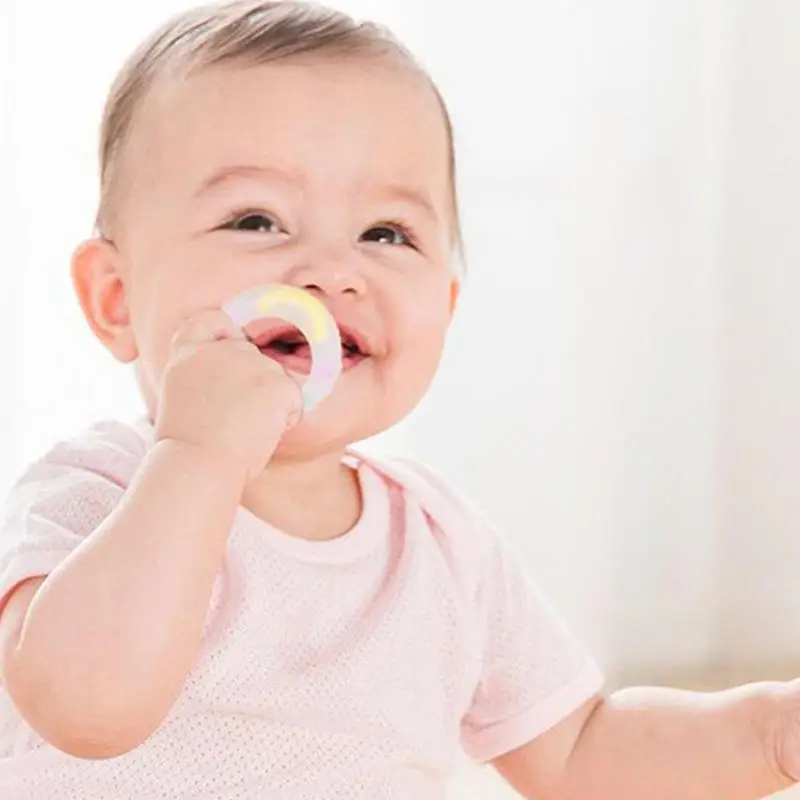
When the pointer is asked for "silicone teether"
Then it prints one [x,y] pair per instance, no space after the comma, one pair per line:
[310,317]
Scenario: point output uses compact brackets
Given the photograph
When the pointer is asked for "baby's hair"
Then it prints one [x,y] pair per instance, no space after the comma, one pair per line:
[247,32]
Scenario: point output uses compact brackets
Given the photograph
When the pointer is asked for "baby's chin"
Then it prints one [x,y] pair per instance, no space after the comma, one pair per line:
[331,429]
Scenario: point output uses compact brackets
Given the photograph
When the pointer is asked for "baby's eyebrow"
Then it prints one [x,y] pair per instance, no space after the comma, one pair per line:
[410,196]
[391,192]
[230,173]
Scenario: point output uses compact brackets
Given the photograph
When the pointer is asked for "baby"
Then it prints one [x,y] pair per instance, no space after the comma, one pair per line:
[227,601]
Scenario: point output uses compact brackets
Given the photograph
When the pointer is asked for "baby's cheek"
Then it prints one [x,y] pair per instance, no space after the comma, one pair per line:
[155,348]
[428,324]
[420,351]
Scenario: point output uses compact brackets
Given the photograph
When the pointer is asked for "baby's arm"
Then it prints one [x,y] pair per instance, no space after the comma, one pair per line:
[95,655]
[538,715]
[662,744]
[96,659]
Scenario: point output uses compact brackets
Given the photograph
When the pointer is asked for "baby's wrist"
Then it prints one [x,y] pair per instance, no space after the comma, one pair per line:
[221,467]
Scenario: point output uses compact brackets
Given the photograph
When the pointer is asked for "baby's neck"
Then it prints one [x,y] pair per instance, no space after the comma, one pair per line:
[316,500]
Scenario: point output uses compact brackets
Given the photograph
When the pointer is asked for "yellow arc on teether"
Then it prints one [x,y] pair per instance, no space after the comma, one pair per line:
[288,294]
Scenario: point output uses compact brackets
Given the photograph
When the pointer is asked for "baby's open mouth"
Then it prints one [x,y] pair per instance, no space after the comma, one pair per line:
[287,346]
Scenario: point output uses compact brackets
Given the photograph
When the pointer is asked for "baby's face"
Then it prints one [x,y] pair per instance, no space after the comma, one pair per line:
[330,176]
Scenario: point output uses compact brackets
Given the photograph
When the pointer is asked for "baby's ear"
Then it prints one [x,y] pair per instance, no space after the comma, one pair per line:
[97,277]
[455,291]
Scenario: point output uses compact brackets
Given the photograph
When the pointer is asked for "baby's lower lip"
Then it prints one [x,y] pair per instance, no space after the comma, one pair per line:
[300,360]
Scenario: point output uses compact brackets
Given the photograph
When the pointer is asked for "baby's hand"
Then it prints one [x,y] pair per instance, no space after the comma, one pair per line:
[218,392]
[782,729]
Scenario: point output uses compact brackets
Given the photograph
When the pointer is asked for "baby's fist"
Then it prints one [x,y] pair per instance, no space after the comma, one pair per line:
[219,392]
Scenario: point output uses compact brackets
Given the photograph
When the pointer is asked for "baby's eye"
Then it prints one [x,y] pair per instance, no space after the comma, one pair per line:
[394,235]
[253,223]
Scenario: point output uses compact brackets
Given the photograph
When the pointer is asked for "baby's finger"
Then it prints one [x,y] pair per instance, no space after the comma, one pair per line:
[207,326]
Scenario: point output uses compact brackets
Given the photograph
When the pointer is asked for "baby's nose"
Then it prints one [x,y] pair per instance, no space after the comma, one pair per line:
[330,279]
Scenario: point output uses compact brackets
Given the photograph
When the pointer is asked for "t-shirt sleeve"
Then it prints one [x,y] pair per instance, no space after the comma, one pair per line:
[63,498]
[535,671]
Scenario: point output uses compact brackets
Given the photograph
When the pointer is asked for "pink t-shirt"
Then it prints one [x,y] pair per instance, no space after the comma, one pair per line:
[353,668]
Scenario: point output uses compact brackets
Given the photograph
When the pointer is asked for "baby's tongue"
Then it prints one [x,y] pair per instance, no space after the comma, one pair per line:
[297,361]
[296,358]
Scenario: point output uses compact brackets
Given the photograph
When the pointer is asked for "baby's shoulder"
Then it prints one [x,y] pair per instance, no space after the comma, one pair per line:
[110,449]
[456,519]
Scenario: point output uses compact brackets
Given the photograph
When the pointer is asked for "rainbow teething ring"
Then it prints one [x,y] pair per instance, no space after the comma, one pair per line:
[310,317]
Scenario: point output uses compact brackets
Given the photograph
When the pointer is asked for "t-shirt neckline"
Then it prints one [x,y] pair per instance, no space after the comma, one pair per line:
[371,529]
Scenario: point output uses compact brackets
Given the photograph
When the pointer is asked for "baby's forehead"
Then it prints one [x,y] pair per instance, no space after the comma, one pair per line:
[370,98]
[336,121]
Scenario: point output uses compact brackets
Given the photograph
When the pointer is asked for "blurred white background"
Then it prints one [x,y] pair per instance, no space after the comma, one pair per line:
[622,387]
